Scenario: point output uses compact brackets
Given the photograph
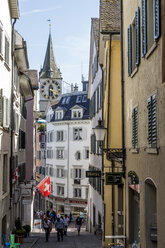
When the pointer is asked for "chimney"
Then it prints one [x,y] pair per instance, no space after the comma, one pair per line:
[75,88]
[71,87]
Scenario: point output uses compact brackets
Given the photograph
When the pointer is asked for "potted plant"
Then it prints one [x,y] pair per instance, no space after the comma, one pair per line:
[27,229]
[19,232]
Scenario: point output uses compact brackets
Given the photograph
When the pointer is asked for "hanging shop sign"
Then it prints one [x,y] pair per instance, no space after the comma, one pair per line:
[93,173]
[113,178]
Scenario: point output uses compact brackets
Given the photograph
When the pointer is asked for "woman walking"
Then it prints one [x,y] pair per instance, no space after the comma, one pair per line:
[78,223]
[47,227]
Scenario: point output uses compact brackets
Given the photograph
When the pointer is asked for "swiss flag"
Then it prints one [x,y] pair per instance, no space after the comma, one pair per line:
[16,174]
[45,187]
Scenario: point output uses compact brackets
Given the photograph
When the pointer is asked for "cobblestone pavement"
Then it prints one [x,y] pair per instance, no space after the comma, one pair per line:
[85,240]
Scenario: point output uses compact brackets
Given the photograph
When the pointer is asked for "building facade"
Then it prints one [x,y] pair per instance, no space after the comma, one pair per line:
[9,11]
[67,152]
[143,47]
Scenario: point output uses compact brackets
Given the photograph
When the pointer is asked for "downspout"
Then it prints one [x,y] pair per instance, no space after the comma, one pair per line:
[68,167]
[11,114]
[123,122]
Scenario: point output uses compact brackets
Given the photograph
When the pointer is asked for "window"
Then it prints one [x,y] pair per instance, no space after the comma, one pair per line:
[133,35]
[77,134]
[6,50]
[59,115]
[84,98]
[86,153]
[1,32]
[135,127]
[76,113]
[60,190]
[22,139]
[5,173]
[77,192]
[21,172]
[78,155]
[63,100]
[79,98]
[60,135]
[77,173]
[51,171]
[49,153]
[60,153]
[150,22]
[93,143]
[68,99]
[39,155]
[60,173]
[152,121]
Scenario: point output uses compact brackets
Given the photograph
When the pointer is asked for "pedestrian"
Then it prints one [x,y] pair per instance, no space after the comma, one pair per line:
[47,213]
[66,221]
[78,223]
[59,226]
[70,217]
[47,227]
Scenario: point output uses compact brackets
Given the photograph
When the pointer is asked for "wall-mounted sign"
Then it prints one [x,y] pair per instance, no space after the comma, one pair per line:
[153,233]
[93,173]
[113,178]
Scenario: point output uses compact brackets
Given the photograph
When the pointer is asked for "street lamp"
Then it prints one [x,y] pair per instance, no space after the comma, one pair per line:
[99,131]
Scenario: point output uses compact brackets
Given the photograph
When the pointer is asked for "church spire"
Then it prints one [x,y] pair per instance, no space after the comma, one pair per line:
[50,69]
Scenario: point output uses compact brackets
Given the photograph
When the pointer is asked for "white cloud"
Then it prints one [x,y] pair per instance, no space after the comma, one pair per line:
[35,11]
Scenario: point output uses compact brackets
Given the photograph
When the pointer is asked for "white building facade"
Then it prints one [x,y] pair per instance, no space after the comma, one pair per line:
[67,157]
[95,206]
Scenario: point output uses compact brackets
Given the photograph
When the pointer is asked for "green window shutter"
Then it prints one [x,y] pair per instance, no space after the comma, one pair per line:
[135,127]
[1,107]
[129,37]
[144,27]
[152,121]
[156,15]
[137,35]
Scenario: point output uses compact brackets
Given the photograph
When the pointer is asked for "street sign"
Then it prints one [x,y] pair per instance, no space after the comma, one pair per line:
[113,178]
[93,173]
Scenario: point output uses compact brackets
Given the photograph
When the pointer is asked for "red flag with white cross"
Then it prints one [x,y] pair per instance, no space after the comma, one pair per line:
[45,187]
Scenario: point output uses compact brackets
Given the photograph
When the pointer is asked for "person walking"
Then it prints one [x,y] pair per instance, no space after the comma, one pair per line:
[47,227]
[78,223]
[59,226]
[66,221]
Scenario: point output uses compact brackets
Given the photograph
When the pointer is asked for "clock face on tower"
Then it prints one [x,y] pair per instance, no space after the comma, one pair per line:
[50,89]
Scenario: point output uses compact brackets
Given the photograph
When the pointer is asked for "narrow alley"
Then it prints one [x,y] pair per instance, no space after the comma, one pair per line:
[72,240]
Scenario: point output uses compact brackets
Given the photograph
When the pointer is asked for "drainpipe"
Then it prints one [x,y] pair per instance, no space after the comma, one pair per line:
[11,114]
[123,121]
[68,167]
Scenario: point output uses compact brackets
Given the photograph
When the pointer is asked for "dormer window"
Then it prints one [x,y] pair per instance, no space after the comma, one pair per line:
[84,98]
[77,113]
[63,100]
[79,98]
[59,115]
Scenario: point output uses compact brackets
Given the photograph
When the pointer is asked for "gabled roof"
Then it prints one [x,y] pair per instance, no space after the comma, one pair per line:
[71,105]
[95,24]
[50,63]
[61,108]
[77,107]
[109,15]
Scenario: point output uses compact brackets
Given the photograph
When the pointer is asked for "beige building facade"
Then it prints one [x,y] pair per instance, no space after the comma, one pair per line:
[144,99]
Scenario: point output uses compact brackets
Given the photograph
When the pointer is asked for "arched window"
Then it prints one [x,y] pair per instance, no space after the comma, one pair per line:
[50,90]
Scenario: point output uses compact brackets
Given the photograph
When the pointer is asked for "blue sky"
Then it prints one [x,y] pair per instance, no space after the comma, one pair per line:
[70,28]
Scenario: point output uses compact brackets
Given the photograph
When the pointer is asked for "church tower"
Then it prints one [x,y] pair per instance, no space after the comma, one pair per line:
[50,79]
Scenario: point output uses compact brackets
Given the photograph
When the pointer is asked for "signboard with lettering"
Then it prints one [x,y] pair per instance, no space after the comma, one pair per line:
[113,178]
[93,173]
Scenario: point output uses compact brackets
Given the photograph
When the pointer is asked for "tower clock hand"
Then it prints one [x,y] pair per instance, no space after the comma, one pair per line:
[54,91]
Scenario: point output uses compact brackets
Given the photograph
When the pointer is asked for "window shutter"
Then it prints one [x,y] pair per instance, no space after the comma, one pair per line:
[4,112]
[135,127]
[129,37]
[144,27]
[82,173]
[137,35]
[1,107]
[72,173]
[152,121]
[156,10]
